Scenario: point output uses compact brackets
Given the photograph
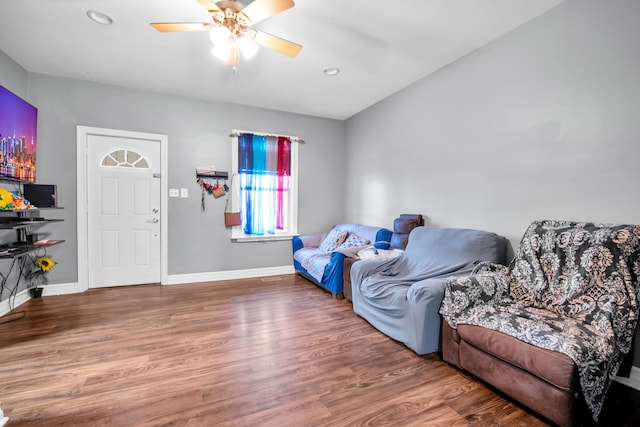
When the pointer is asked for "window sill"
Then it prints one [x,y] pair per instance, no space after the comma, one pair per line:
[271,238]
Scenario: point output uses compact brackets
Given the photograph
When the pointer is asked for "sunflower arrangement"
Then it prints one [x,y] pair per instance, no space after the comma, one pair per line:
[42,265]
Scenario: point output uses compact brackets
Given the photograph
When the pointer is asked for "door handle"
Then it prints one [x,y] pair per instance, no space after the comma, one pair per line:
[153,221]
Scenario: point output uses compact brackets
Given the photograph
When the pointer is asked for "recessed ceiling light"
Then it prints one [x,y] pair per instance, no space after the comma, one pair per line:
[100,17]
[333,71]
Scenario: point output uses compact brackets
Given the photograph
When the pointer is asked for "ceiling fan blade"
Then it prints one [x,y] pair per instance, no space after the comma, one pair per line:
[263,9]
[290,49]
[209,5]
[223,5]
[167,27]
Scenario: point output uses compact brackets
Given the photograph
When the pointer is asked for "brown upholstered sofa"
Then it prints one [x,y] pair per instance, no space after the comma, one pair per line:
[402,226]
[542,380]
[552,329]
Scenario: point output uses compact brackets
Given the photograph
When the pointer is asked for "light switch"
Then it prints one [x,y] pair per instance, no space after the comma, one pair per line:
[173,192]
[184,192]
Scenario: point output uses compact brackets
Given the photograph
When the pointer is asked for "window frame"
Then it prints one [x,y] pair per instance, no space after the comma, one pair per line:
[237,233]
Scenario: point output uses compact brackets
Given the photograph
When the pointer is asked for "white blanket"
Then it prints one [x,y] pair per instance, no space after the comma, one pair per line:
[314,261]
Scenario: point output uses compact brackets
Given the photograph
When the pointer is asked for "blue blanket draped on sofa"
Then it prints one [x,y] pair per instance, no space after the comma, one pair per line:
[401,297]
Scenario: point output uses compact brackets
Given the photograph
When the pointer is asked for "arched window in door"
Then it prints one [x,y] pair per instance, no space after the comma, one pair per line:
[125,159]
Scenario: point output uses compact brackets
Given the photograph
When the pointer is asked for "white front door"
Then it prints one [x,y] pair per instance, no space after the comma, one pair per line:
[123,207]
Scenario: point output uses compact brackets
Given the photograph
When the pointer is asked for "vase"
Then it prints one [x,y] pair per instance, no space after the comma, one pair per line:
[35,292]
[36,282]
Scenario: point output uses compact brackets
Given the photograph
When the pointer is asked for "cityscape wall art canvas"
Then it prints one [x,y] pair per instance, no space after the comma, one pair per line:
[18,126]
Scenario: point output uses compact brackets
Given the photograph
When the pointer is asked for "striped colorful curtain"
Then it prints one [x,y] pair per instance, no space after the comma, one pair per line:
[264,170]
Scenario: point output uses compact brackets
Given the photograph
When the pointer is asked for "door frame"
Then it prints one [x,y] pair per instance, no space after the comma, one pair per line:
[82,134]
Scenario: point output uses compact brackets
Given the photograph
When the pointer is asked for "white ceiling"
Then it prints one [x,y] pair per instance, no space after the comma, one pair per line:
[380,47]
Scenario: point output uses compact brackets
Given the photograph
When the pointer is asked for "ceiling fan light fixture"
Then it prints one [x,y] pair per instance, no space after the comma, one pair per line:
[100,17]
[219,35]
[228,43]
[230,30]
[222,51]
[248,47]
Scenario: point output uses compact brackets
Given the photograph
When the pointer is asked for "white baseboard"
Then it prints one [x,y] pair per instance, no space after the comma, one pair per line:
[48,290]
[13,303]
[634,379]
[61,289]
[3,420]
[177,279]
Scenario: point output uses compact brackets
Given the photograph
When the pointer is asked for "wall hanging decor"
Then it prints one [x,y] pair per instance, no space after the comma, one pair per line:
[231,219]
[205,176]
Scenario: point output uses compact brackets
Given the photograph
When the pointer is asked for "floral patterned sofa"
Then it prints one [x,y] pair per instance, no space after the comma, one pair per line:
[556,323]
[320,257]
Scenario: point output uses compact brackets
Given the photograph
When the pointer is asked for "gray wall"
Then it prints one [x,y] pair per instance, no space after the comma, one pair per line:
[541,123]
[198,134]
[13,76]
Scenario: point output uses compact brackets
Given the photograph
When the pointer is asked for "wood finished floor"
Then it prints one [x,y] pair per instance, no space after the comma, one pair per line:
[234,353]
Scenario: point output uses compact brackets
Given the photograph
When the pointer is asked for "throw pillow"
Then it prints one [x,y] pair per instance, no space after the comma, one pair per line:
[333,240]
[353,241]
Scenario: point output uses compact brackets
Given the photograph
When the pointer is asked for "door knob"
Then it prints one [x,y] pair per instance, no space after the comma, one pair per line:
[153,221]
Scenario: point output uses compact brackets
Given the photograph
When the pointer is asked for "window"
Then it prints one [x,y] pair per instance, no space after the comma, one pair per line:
[265,169]
[125,159]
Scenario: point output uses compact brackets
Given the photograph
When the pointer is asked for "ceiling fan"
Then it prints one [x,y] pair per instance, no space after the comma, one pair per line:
[230,30]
